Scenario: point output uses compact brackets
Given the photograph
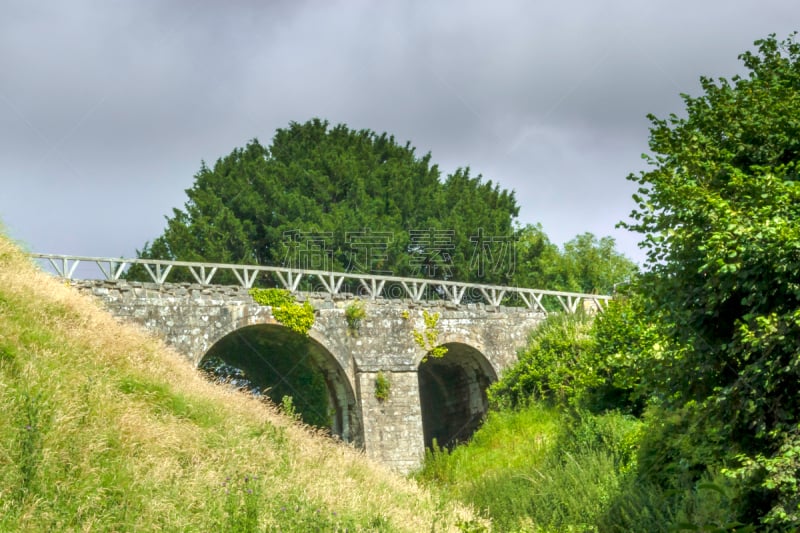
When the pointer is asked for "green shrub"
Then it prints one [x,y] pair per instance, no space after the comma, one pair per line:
[354,314]
[717,211]
[625,338]
[612,432]
[272,297]
[297,317]
[552,367]
[382,387]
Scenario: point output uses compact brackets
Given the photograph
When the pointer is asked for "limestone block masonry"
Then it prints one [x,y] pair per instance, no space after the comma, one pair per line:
[437,399]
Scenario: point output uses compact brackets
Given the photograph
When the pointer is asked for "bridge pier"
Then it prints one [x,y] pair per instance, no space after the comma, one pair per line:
[393,430]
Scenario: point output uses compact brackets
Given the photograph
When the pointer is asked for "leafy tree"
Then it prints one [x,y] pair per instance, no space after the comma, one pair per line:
[537,259]
[593,265]
[718,211]
[334,198]
[586,264]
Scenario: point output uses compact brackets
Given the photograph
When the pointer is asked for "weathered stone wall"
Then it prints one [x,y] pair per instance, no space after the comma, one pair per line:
[193,317]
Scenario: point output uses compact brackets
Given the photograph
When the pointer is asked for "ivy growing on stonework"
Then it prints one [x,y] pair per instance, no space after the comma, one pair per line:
[428,338]
[297,317]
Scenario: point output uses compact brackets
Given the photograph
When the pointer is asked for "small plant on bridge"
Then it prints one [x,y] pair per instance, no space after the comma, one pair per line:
[354,314]
[272,297]
[299,318]
[428,338]
[382,387]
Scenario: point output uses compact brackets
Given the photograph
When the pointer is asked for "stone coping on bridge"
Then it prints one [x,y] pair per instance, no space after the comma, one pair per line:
[320,300]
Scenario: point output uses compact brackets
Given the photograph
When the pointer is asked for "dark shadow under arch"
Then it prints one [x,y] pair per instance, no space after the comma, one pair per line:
[453,394]
[274,360]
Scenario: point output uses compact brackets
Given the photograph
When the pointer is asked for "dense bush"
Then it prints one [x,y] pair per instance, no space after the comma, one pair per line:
[718,213]
[595,363]
[552,367]
[624,339]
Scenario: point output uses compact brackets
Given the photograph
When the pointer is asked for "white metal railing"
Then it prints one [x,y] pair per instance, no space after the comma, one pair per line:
[368,285]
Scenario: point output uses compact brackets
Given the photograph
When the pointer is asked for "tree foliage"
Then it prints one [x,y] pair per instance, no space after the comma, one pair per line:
[718,210]
[625,341]
[332,198]
[585,264]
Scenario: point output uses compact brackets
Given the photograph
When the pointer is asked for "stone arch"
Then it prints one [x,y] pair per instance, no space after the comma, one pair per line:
[453,394]
[345,415]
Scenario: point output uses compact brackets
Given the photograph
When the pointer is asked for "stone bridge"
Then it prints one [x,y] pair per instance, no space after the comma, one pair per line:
[429,398]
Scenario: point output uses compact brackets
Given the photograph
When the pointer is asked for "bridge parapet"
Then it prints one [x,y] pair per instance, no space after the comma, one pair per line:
[333,284]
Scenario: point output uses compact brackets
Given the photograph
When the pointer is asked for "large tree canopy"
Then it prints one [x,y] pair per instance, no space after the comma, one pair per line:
[719,212]
[333,198]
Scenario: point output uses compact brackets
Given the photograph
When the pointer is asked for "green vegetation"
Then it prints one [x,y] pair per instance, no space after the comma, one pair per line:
[675,408]
[330,198]
[428,338]
[272,297]
[585,264]
[345,191]
[104,429]
[552,368]
[298,318]
[382,386]
[536,469]
[718,212]
[562,450]
[354,313]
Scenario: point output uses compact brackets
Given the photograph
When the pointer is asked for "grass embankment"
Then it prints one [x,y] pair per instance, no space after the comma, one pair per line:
[103,428]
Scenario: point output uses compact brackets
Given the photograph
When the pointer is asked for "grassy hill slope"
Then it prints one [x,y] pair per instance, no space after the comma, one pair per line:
[103,428]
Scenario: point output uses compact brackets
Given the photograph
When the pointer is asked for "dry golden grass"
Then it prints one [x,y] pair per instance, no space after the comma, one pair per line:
[125,435]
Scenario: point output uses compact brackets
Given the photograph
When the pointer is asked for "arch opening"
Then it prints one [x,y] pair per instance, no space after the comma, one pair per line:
[453,394]
[273,361]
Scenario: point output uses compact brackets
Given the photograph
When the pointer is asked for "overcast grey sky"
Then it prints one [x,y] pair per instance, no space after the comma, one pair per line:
[108,107]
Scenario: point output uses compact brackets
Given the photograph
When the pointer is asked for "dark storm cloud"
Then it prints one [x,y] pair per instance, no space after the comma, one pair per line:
[107,108]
